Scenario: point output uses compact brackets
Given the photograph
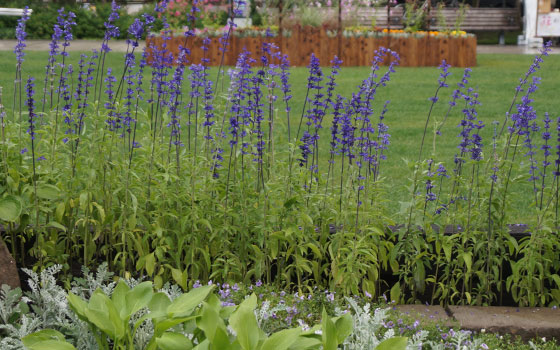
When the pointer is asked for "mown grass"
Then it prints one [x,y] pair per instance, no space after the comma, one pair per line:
[495,78]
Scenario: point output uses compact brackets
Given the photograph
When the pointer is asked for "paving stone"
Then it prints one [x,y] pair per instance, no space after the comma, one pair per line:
[526,322]
[8,270]
[434,313]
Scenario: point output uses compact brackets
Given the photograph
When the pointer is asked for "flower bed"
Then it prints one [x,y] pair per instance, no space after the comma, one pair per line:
[354,47]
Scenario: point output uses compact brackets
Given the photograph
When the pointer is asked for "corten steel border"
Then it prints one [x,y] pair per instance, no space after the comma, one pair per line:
[414,51]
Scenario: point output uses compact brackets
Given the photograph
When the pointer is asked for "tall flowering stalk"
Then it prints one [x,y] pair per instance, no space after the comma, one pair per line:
[111,31]
[546,153]
[441,84]
[81,94]
[174,124]
[51,66]
[240,113]
[67,21]
[522,123]
[21,35]
[322,109]
[31,119]
[533,68]
[235,10]
[313,115]
[444,67]
[362,105]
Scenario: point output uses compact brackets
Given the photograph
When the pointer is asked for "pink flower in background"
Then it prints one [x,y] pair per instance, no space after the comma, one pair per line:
[177,13]
[329,3]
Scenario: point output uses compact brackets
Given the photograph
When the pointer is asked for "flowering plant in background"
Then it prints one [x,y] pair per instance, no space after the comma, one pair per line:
[213,13]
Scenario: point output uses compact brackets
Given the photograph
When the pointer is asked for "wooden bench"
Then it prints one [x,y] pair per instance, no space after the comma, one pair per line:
[383,19]
[4,11]
[478,19]
[475,19]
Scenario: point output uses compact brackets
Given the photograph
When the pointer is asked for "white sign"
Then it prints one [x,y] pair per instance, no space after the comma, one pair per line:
[548,24]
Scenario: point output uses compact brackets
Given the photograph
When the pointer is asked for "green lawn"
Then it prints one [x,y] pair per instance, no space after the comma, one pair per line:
[494,78]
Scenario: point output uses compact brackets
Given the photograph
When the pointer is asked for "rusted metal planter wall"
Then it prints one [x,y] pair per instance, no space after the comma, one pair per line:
[423,51]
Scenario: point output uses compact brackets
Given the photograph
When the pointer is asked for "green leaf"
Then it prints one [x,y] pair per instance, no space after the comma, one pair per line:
[150,263]
[118,297]
[159,304]
[84,200]
[56,225]
[46,339]
[173,341]
[180,277]
[78,305]
[212,324]
[47,191]
[185,304]
[102,313]
[307,342]
[138,297]
[344,325]
[329,332]
[10,208]
[396,343]
[244,323]
[164,325]
[59,212]
[50,345]
[467,257]
[396,292]
[45,334]
[281,340]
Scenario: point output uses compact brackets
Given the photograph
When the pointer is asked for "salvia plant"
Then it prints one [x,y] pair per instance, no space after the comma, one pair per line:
[163,167]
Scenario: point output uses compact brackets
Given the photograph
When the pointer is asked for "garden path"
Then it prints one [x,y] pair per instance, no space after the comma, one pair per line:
[120,46]
[527,322]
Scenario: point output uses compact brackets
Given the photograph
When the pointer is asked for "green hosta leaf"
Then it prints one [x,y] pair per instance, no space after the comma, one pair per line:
[344,325]
[118,298]
[102,313]
[173,341]
[164,325]
[47,339]
[78,305]
[159,304]
[212,324]
[306,342]
[50,345]
[10,208]
[396,343]
[329,332]
[138,297]
[47,191]
[244,323]
[281,340]
[186,303]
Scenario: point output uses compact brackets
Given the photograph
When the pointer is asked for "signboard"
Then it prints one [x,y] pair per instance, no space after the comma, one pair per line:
[548,24]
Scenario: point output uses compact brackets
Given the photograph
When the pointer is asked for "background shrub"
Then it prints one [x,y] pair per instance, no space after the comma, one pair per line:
[89,21]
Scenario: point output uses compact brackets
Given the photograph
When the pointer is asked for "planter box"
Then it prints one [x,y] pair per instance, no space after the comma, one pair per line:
[414,50]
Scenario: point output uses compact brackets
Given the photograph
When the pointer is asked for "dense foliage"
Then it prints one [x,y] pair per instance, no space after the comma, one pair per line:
[160,170]
[99,313]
